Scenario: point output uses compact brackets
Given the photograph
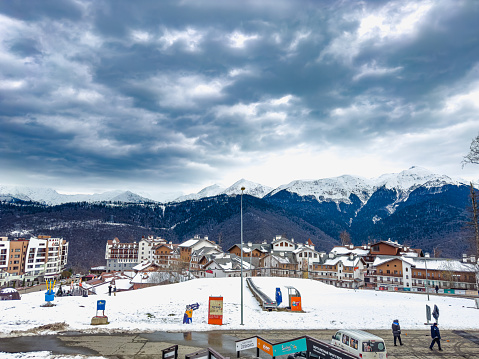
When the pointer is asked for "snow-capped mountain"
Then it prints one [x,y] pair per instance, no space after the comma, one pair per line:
[251,188]
[336,189]
[210,191]
[339,189]
[51,197]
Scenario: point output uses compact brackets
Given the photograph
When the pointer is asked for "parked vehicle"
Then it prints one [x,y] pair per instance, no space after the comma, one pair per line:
[360,343]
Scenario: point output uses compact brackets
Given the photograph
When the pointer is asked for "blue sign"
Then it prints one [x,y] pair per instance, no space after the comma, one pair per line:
[279,296]
[100,304]
[293,346]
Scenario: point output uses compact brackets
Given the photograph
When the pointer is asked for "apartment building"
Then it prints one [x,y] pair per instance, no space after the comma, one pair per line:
[417,273]
[121,256]
[37,258]
[188,247]
[345,271]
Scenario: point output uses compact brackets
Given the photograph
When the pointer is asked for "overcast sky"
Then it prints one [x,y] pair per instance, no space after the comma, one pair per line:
[162,96]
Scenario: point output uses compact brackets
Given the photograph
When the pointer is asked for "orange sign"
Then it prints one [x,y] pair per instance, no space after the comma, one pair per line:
[264,346]
[215,311]
[296,304]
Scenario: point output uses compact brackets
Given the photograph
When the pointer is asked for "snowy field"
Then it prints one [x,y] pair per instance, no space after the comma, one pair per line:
[161,308]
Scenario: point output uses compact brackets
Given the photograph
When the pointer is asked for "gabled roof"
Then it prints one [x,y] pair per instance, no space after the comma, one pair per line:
[159,245]
[144,265]
[341,250]
[304,249]
[288,258]
[261,247]
[345,260]
[281,239]
[230,262]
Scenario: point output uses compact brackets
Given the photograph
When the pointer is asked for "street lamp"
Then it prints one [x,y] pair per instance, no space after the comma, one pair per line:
[427,291]
[242,189]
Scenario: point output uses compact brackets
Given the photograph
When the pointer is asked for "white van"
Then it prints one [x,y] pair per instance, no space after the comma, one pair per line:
[360,343]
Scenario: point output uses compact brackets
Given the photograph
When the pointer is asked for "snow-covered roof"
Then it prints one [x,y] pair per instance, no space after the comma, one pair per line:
[282,259]
[232,263]
[189,243]
[143,265]
[303,248]
[384,259]
[99,268]
[442,264]
[343,259]
[344,250]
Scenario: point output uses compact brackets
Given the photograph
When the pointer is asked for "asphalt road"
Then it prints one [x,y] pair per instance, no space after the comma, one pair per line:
[456,344]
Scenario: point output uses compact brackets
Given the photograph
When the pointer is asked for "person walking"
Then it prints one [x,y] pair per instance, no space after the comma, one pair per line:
[109,290]
[436,336]
[114,290]
[396,328]
[437,289]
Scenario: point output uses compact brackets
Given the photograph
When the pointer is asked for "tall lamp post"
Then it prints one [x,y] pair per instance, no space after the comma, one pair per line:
[427,291]
[242,189]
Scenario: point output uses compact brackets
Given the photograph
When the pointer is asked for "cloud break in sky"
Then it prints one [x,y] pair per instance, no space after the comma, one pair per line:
[173,96]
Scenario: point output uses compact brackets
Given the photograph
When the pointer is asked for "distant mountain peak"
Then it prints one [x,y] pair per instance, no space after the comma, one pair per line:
[251,188]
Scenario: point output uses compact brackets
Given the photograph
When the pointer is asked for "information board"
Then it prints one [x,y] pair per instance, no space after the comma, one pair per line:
[289,347]
[215,311]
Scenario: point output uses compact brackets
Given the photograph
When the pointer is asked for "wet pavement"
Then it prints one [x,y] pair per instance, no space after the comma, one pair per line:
[455,344]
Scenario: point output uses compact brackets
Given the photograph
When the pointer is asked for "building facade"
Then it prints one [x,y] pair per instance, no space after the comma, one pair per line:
[34,259]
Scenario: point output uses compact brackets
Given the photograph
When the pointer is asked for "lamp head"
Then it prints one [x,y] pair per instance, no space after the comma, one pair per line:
[242,188]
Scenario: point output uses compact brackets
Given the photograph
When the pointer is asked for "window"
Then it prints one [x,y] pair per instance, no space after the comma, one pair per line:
[353,343]
[388,272]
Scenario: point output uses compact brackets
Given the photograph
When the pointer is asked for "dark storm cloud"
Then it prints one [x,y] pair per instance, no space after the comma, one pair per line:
[173,91]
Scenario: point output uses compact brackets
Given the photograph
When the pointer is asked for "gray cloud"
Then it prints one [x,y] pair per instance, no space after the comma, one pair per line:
[171,93]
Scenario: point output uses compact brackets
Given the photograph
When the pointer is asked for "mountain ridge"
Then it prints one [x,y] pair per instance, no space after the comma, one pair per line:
[336,189]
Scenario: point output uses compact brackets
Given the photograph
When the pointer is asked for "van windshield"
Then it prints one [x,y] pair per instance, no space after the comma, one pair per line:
[373,346]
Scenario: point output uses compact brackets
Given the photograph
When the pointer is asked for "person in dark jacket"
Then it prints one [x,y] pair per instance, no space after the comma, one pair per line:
[436,336]
[396,331]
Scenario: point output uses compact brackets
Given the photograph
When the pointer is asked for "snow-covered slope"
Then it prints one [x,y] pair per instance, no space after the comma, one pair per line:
[52,197]
[163,306]
[339,189]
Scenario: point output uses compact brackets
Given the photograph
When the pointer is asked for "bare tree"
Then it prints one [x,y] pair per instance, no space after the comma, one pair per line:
[447,273]
[473,155]
[345,238]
